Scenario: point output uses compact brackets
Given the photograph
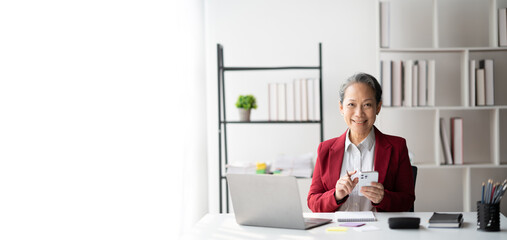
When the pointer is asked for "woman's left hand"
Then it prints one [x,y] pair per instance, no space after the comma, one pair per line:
[375,192]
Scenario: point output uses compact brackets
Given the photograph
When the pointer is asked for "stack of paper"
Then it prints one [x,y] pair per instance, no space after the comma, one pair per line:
[241,168]
[299,166]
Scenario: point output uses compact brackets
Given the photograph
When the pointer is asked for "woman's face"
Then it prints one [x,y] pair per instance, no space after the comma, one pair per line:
[359,108]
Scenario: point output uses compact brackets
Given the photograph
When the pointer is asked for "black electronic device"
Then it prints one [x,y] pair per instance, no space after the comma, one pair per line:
[404,222]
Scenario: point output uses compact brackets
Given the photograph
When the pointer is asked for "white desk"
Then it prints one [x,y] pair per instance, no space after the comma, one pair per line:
[224,227]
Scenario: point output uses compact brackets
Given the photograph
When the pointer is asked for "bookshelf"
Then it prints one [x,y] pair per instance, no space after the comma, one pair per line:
[223,122]
[452,32]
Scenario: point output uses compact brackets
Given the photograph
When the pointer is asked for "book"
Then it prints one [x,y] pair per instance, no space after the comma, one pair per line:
[290,101]
[423,83]
[481,88]
[272,102]
[431,83]
[384,24]
[304,99]
[311,98]
[415,85]
[363,216]
[487,65]
[444,138]
[457,140]
[297,99]
[386,82]
[502,27]
[471,77]
[396,83]
[446,220]
[316,88]
[407,83]
[282,102]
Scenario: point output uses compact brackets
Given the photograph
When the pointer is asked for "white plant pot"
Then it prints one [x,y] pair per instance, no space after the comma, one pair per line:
[244,115]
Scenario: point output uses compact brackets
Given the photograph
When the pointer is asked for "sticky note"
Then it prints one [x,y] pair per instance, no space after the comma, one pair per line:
[336,229]
[367,229]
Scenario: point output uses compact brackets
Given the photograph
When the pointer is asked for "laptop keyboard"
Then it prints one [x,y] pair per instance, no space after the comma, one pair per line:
[315,220]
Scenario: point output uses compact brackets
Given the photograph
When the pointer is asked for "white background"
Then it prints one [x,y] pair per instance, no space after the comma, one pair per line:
[96,105]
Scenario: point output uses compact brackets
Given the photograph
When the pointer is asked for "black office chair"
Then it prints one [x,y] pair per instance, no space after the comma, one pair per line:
[414,173]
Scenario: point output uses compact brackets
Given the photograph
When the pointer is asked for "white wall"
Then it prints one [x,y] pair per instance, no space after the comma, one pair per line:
[274,33]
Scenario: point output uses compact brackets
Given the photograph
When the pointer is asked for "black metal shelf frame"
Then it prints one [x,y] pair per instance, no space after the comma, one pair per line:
[222,120]
[270,122]
[268,68]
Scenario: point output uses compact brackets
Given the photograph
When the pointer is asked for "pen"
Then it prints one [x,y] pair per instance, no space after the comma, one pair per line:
[493,187]
[495,192]
[498,190]
[482,198]
[488,192]
[502,190]
[501,194]
[492,191]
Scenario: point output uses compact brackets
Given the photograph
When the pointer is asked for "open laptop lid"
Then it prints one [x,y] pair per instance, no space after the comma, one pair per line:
[266,200]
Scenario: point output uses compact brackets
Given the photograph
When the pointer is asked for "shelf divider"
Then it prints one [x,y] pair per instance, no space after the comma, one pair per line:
[270,122]
[269,68]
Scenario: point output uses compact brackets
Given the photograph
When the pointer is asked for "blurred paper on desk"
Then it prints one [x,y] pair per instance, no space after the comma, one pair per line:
[367,229]
[241,168]
[298,166]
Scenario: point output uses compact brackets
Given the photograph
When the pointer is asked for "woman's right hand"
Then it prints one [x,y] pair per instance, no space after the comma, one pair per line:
[345,185]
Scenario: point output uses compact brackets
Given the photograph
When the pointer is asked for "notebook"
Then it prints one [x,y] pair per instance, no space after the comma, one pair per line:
[268,201]
[445,220]
[364,216]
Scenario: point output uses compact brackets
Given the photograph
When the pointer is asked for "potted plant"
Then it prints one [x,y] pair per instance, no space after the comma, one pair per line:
[244,104]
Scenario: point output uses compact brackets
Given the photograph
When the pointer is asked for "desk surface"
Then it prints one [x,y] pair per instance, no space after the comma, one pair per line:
[224,226]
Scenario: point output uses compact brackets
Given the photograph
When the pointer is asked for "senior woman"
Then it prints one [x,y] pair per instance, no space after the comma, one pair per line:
[362,148]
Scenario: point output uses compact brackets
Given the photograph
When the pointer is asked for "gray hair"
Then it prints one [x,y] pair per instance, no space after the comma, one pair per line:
[362,78]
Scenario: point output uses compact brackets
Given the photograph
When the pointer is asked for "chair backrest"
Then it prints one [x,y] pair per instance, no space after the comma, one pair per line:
[414,173]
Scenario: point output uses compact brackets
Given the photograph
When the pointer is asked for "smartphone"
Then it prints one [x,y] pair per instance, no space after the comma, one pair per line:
[365,179]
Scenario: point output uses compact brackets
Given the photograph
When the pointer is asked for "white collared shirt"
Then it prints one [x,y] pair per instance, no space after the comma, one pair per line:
[358,158]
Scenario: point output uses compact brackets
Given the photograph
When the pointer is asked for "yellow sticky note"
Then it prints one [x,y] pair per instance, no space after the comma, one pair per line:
[336,229]
[261,166]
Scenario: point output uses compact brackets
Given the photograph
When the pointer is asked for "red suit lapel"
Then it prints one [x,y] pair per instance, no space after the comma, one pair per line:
[337,151]
[382,155]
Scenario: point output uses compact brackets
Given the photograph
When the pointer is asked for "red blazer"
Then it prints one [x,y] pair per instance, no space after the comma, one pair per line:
[390,161]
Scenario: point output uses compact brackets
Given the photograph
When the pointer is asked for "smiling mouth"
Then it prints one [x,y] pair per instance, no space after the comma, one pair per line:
[359,122]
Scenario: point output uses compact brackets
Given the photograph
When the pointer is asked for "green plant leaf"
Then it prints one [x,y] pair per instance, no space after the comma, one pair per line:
[246,102]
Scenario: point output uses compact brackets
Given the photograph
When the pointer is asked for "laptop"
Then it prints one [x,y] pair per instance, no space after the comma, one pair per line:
[268,201]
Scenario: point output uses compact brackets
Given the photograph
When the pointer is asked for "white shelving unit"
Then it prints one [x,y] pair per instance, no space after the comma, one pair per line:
[452,32]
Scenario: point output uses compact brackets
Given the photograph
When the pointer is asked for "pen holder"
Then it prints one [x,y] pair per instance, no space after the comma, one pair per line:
[488,217]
